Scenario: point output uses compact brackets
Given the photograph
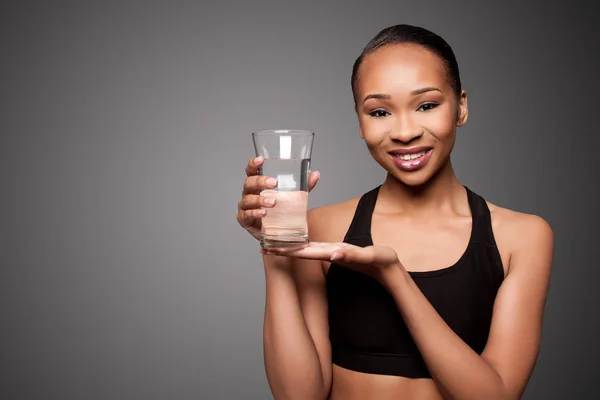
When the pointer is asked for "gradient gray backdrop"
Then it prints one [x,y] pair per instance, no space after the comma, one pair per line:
[124,131]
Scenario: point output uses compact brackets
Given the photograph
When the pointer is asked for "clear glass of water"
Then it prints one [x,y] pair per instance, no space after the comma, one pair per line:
[287,158]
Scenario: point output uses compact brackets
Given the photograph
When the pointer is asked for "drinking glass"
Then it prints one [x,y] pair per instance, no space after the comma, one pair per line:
[287,158]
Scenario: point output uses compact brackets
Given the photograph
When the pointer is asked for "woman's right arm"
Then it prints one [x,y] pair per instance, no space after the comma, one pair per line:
[297,352]
[296,335]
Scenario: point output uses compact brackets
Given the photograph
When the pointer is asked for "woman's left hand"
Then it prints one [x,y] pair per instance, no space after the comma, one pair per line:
[379,262]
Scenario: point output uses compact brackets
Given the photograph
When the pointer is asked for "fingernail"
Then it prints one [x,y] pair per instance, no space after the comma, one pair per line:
[271,181]
[269,201]
[318,174]
[258,159]
[335,256]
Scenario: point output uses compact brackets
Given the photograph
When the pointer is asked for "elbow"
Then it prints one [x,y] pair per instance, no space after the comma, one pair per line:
[301,396]
[505,393]
[491,391]
[501,391]
[299,390]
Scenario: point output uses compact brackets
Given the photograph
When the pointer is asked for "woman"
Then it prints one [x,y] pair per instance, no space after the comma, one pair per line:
[419,289]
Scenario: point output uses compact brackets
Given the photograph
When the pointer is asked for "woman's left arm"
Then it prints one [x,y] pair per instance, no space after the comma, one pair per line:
[505,366]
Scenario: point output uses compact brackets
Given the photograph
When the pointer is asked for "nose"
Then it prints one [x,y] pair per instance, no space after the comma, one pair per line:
[405,129]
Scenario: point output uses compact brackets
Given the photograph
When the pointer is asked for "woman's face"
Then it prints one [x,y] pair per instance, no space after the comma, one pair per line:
[408,111]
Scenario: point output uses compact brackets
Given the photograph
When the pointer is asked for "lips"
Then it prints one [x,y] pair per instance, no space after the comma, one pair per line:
[411,159]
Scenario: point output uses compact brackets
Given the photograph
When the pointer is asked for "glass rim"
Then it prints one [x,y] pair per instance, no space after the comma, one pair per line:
[289,132]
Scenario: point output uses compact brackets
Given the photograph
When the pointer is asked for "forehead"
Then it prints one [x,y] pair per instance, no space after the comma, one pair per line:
[400,67]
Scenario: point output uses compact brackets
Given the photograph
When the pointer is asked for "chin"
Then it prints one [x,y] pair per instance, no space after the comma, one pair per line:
[412,179]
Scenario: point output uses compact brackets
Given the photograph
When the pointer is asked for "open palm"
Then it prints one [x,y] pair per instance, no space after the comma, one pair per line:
[371,260]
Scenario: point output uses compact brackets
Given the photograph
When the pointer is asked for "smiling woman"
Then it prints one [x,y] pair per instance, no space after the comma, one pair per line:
[420,288]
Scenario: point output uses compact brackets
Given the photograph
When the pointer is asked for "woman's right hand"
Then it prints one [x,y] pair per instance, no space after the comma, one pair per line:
[252,206]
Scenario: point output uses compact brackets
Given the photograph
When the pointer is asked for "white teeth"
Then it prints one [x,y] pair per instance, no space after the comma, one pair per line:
[408,157]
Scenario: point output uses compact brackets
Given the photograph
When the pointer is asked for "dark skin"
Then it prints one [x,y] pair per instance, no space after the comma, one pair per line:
[421,222]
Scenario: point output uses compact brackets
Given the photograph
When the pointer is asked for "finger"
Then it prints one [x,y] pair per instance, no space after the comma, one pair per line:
[372,255]
[253,165]
[313,178]
[253,201]
[312,251]
[353,256]
[246,217]
[254,184]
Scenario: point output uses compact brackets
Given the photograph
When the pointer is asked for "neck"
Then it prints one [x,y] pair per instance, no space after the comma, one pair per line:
[442,191]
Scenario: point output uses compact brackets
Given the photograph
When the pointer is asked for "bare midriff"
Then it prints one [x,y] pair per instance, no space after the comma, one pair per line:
[351,385]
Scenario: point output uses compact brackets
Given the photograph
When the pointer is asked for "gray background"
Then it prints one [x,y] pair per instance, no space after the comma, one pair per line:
[124,131]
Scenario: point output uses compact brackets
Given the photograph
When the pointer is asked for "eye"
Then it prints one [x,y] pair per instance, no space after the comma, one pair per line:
[379,113]
[427,106]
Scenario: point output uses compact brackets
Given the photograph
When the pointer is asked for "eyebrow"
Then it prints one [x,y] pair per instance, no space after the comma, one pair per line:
[425,90]
[413,93]
[377,96]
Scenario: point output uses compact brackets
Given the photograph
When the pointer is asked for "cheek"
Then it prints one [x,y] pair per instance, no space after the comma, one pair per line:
[374,131]
[442,125]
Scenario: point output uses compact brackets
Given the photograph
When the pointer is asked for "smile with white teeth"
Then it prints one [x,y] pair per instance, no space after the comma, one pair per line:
[408,157]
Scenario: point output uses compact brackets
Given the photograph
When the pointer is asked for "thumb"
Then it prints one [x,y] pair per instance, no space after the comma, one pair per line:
[313,178]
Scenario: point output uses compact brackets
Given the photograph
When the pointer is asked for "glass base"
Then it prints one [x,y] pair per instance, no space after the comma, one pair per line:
[285,240]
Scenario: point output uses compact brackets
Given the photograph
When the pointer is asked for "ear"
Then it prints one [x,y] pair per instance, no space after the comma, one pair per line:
[463,110]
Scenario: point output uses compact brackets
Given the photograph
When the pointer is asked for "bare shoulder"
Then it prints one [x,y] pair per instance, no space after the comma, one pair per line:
[330,223]
[520,226]
[521,235]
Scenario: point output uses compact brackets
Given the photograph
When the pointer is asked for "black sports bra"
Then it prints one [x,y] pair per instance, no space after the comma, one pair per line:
[367,332]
